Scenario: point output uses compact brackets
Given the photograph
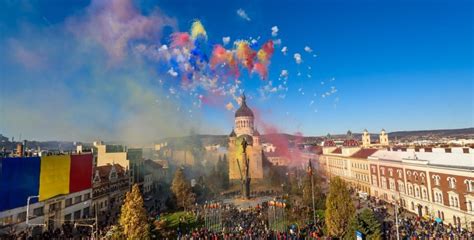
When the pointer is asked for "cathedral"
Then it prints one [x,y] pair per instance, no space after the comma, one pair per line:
[244,129]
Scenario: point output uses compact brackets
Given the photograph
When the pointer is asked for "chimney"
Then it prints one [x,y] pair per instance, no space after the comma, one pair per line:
[20,150]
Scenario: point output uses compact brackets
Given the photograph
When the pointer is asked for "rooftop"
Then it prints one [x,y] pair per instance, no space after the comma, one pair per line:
[436,157]
[244,110]
[337,150]
[364,153]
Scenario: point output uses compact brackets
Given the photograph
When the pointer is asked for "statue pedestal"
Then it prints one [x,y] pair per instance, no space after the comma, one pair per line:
[246,189]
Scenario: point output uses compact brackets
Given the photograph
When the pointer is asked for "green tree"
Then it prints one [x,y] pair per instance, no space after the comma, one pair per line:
[339,208]
[367,223]
[133,217]
[181,189]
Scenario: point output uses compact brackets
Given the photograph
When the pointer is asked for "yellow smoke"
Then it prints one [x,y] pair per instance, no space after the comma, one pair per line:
[197,29]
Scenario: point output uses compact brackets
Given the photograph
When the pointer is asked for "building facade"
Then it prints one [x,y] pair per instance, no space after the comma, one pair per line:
[110,184]
[348,159]
[349,162]
[129,158]
[49,214]
[430,182]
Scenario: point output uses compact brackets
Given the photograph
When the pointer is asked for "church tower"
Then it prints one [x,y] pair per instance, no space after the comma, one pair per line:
[244,129]
[366,138]
[383,138]
[244,119]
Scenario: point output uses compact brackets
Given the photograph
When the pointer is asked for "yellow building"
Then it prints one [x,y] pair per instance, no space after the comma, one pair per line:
[360,170]
[349,161]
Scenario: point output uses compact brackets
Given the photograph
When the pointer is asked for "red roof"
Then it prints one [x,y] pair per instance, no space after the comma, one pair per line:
[364,153]
[104,171]
[351,143]
[337,150]
[329,143]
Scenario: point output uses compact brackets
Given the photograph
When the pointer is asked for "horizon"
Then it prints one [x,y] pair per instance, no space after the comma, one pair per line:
[220,135]
[70,74]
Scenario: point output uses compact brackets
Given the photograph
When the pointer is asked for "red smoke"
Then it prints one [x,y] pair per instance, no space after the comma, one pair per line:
[284,146]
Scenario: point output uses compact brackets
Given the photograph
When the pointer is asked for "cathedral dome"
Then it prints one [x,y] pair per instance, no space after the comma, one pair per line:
[244,110]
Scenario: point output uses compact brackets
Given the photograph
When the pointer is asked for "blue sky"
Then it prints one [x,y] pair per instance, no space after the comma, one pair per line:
[398,65]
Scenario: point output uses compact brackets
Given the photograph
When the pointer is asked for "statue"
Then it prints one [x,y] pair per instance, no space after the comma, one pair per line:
[246,178]
[244,146]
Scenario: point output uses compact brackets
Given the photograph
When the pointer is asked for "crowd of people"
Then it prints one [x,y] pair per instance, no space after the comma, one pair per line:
[66,231]
[411,226]
[418,228]
[252,224]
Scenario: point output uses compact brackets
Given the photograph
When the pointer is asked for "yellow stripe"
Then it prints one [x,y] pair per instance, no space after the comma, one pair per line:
[54,176]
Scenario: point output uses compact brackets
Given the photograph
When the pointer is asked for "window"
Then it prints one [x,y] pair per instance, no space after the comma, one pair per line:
[438,197]
[77,199]
[384,182]
[382,170]
[6,220]
[453,200]
[68,202]
[87,196]
[67,217]
[422,176]
[417,191]
[470,185]
[451,182]
[401,187]
[374,180]
[85,212]
[77,214]
[399,171]
[424,194]
[390,172]
[470,206]
[410,190]
[436,179]
[408,175]
[38,211]
[21,217]
[392,184]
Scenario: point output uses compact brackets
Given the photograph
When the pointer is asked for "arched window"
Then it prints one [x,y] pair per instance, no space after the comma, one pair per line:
[470,185]
[422,176]
[436,179]
[424,195]
[452,182]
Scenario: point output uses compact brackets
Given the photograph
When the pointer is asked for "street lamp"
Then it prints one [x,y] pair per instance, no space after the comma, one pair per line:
[396,218]
[28,212]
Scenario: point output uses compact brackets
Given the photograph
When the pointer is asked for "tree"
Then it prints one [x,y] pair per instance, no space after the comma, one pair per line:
[181,188]
[339,208]
[133,217]
[367,223]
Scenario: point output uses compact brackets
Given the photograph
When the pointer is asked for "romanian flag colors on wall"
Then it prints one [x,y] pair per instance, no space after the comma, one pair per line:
[48,176]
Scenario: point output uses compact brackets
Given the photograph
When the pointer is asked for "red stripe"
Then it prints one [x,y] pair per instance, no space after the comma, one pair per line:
[81,173]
